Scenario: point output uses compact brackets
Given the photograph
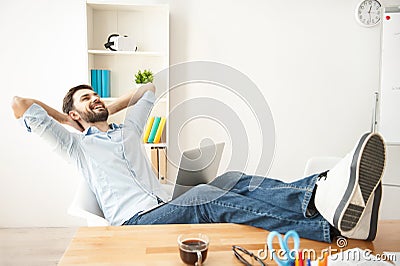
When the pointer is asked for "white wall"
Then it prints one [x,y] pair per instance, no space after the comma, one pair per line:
[316,67]
[44,56]
[314,64]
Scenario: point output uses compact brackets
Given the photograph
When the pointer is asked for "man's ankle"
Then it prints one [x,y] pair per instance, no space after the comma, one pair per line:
[311,209]
[334,232]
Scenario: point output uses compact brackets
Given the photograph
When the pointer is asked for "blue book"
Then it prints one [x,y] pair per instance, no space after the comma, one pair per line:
[98,87]
[105,83]
[153,130]
[93,79]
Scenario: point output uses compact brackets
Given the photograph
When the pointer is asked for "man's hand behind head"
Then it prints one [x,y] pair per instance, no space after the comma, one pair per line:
[20,105]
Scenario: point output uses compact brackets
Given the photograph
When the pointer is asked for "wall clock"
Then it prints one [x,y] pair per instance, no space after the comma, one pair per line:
[368,13]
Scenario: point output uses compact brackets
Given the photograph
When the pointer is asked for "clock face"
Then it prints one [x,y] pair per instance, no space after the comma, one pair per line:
[368,13]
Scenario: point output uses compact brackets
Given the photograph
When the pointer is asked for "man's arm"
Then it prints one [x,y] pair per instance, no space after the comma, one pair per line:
[20,105]
[44,121]
[129,98]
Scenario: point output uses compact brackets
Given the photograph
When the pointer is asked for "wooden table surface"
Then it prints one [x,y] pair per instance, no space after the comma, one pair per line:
[157,244]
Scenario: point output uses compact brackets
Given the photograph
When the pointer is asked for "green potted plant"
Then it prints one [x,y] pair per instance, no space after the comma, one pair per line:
[143,77]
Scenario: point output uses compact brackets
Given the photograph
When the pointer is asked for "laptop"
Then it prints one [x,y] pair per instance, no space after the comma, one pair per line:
[197,166]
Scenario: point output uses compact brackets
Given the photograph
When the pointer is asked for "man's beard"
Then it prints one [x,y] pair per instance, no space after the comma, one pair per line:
[93,117]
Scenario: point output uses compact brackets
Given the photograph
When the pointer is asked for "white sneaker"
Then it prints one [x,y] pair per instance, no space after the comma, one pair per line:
[342,197]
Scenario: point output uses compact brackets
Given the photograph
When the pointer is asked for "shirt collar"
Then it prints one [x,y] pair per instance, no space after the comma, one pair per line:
[94,130]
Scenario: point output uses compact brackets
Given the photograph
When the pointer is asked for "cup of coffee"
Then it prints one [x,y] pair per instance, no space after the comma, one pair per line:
[193,248]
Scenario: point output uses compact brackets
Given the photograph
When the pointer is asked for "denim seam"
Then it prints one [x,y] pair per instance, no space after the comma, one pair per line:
[280,187]
[326,228]
[308,195]
[215,202]
[306,201]
[261,213]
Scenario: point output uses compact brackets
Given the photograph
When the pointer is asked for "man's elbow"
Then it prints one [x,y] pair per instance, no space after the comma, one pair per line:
[20,105]
[148,87]
[151,87]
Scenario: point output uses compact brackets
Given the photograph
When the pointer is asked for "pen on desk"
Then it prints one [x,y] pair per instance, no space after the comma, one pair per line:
[301,258]
[308,262]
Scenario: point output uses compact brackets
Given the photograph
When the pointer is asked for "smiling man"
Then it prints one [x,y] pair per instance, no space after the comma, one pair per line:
[343,201]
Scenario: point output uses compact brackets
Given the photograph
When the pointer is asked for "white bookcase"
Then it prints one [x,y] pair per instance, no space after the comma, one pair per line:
[149,26]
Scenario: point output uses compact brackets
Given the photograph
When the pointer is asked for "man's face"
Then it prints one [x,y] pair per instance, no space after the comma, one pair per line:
[89,106]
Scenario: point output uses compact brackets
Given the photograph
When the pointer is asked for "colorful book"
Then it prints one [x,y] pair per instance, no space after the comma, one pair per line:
[148,129]
[160,130]
[154,128]
[105,83]
[93,80]
[98,85]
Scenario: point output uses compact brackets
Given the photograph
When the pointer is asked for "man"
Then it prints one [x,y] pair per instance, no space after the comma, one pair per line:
[343,201]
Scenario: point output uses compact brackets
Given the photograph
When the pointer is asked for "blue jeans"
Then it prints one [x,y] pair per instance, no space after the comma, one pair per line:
[232,198]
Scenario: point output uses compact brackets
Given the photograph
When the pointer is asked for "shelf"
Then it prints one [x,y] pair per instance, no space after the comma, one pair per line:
[137,53]
[123,5]
[159,145]
[111,99]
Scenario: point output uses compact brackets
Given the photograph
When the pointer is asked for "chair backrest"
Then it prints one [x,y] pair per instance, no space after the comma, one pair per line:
[85,205]
[317,165]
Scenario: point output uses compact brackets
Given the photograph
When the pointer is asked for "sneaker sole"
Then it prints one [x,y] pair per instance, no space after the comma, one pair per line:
[373,226]
[370,167]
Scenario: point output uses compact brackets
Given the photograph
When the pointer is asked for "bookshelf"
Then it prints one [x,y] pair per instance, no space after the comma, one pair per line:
[148,24]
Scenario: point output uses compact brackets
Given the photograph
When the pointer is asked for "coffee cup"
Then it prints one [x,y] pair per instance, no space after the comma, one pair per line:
[193,248]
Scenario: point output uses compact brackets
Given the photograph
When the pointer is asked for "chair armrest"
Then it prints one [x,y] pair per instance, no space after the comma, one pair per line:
[84,205]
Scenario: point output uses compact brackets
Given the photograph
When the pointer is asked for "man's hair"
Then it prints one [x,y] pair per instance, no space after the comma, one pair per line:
[68,102]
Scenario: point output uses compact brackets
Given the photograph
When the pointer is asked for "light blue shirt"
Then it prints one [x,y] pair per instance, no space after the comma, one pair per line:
[113,163]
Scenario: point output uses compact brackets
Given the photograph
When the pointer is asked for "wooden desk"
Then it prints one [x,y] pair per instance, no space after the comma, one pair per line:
[157,244]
